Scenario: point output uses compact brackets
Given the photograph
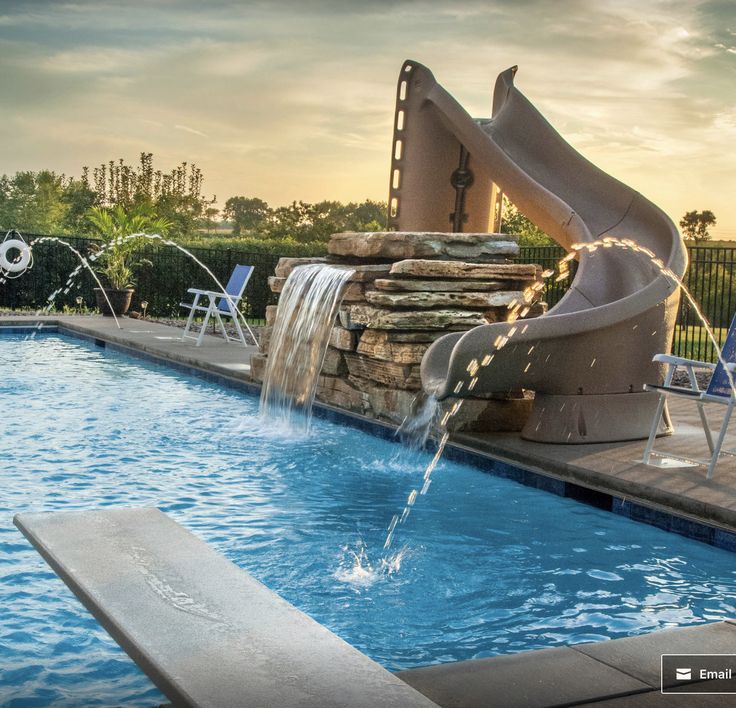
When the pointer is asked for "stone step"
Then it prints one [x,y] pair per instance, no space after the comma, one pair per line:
[368,316]
[286,265]
[375,343]
[334,363]
[454,269]
[364,273]
[402,376]
[397,335]
[400,244]
[354,292]
[338,392]
[401,285]
[343,339]
[474,300]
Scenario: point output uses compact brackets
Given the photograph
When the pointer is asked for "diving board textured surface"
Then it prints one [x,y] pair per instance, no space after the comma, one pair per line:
[203,630]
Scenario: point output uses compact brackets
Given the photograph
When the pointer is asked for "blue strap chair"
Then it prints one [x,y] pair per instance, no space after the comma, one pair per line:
[220,305]
[720,391]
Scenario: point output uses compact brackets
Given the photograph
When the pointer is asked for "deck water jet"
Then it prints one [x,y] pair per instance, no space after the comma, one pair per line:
[84,263]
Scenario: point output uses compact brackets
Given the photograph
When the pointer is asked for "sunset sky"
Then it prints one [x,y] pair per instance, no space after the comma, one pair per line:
[294,100]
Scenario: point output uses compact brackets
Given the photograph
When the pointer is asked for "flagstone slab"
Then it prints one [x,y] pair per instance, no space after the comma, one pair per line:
[343,339]
[472,300]
[286,265]
[379,318]
[401,244]
[404,376]
[400,285]
[354,292]
[376,344]
[455,269]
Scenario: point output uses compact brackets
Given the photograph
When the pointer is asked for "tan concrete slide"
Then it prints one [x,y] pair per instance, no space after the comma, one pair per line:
[588,358]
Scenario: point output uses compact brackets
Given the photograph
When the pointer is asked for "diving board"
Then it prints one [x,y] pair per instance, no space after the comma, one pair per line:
[203,630]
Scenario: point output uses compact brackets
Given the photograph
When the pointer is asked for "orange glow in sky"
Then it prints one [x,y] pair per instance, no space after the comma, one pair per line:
[294,100]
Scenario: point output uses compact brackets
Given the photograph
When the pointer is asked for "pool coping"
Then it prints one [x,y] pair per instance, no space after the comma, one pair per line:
[502,676]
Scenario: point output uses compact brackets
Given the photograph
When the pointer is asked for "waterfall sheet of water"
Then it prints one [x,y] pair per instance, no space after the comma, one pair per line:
[307,308]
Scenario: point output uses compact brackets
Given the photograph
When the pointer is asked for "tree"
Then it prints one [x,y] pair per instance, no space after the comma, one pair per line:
[515,223]
[33,201]
[305,222]
[210,215]
[695,225]
[247,214]
[175,196]
[79,198]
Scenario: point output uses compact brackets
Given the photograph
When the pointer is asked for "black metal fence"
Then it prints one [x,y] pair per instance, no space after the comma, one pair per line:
[549,258]
[163,283]
[163,275]
[709,280]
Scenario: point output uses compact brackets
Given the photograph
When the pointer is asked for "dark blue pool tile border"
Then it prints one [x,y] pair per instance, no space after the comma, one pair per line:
[636,511]
[683,526]
[28,329]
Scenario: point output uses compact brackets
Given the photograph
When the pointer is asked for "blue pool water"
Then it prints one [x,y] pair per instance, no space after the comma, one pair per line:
[488,566]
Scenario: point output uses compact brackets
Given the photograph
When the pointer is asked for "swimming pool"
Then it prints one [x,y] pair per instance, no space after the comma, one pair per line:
[488,566]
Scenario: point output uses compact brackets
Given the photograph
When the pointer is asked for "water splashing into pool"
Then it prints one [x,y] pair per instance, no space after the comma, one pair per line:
[358,570]
[307,308]
[421,422]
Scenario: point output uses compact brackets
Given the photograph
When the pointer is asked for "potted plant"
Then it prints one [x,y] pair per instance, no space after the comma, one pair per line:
[118,255]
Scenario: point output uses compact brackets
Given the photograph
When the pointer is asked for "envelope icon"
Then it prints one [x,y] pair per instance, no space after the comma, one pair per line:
[683,674]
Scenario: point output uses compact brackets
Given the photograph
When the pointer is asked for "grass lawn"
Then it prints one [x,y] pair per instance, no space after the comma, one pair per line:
[693,342]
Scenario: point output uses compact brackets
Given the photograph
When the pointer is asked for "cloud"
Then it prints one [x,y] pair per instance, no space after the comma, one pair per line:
[187,129]
[297,97]
[94,60]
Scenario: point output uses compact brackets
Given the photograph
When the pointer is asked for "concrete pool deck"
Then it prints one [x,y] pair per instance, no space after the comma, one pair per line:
[619,672]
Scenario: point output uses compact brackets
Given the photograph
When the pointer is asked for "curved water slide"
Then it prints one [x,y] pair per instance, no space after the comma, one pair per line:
[588,358]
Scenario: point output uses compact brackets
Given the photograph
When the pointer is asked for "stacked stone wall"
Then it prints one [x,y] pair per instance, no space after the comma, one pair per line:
[407,291]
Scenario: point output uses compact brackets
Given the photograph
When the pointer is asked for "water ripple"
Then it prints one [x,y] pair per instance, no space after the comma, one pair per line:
[485,566]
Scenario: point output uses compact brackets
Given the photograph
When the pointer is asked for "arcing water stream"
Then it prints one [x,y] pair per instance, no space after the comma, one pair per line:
[85,263]
[423,420]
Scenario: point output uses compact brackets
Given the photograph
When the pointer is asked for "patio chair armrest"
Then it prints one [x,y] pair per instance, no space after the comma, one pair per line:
[213,294]
[681,361]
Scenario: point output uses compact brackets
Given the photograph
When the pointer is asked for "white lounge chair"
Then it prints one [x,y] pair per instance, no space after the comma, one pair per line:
[219,305]
[720,391]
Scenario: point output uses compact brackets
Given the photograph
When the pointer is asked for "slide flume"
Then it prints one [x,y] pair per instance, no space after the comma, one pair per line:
[588,358]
